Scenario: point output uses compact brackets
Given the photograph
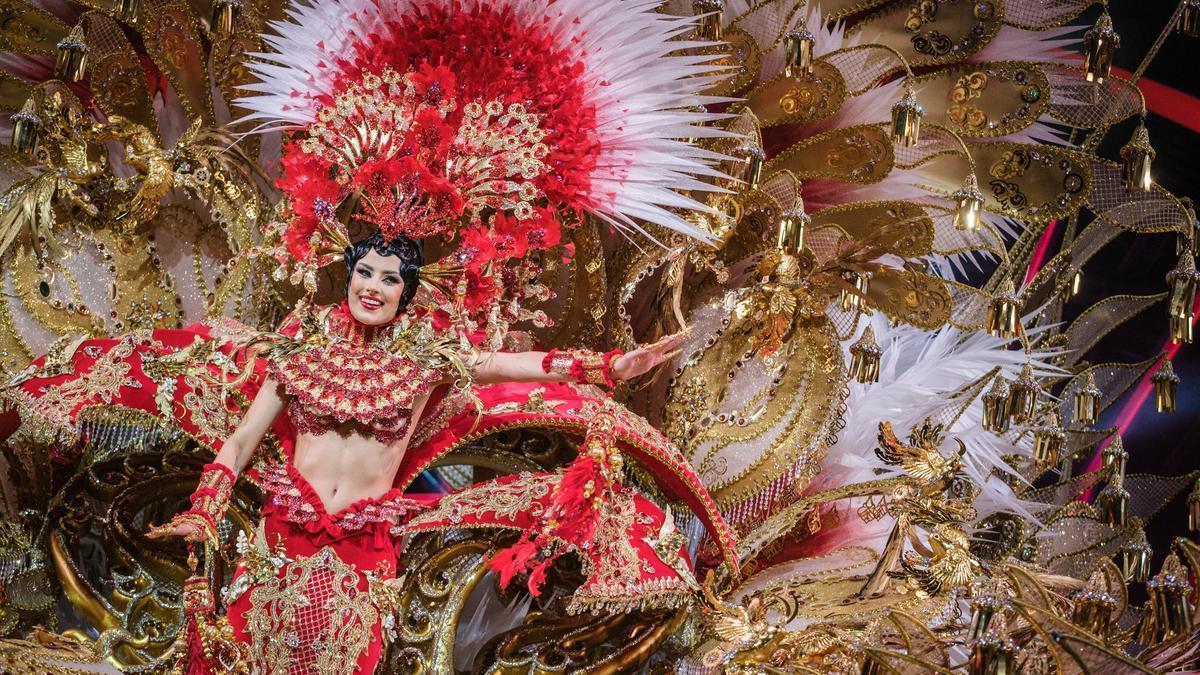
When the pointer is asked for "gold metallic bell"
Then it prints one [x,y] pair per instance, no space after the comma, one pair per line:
[1087,401]
[224,16]
[1166,384]
[969,204]
[1004,313]
[1168,613]
[859,280]
[128,10]
[1137,156]
[995,406]
[1183,281]
[72,56]
[712,16]
[1189,19]
[1099,45]
[1114,456]
[865,356]
[798,48]
[1093,606]
[1113,502]
[27,129]
[994,653]
[1181,330]
[906,119]
[1048,442]
[749,166]
[1193,507]
[1135,559]
[1023,396]
[790,229]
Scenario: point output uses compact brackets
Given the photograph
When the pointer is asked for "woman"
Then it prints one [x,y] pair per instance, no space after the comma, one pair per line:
[353,388]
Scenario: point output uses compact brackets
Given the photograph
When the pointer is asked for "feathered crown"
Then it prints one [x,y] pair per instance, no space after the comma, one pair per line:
[480,121]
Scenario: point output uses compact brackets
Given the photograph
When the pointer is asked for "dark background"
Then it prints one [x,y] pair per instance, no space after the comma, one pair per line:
[1137,264]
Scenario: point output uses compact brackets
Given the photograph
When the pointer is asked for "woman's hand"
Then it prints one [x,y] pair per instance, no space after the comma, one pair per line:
[190,527]
[643,359]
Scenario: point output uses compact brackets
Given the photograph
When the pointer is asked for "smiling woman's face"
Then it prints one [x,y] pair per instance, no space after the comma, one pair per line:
[375,289]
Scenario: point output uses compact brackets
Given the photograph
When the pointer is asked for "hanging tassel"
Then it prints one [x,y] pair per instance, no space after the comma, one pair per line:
[798,46]
[1114,456]
[861,281]
[790,229]
[995,406]
[969,204]
[1047,442]
[1193,506]
[224,17]
[1181,330]
[1135,559]
[1099,45]
[1166,384]
[748,166]
[1087,401]
[1183,282]
[1004,313]
[1094,606]
[906,119]
[128,10]
[712,16]
[1023,396]
[72,56]
[1137,156]
[1168,612]
[994,653]
[983,609]
[27,129]
[865,356]
[1113,502]
[1189,19]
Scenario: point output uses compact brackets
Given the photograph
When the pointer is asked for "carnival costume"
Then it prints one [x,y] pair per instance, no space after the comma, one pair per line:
[860,460]
[399,125]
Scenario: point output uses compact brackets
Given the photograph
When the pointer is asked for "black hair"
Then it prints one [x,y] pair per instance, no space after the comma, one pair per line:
[410,252]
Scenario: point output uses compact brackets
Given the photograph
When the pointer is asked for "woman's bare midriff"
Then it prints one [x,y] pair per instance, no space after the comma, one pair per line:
[346,464]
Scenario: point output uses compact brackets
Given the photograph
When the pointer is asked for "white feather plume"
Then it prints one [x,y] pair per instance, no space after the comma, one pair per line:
[634,75]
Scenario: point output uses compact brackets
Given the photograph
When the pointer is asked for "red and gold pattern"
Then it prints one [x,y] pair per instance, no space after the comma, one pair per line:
[634,557]
[210,500]
[340,371]
[582,366]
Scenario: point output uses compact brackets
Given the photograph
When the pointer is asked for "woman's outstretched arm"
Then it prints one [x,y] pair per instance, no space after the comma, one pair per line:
[496,367]
[211,498]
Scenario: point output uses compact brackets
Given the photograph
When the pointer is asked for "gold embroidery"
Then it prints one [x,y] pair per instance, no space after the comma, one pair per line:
[311,615]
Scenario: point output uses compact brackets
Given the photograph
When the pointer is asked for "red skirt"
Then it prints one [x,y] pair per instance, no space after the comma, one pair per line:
[306,597]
